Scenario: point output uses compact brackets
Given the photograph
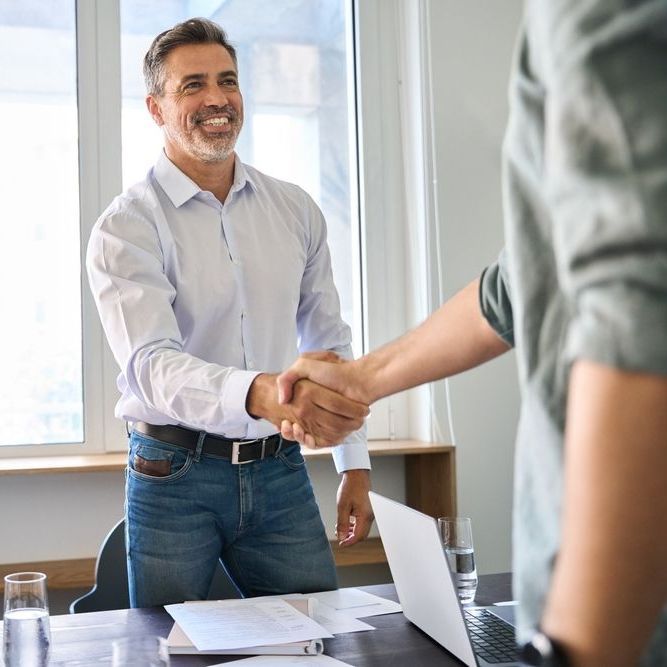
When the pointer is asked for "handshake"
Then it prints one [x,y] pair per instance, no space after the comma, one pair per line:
[318,401]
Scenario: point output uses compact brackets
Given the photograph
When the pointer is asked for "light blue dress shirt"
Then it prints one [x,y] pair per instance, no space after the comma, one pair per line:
[197,298]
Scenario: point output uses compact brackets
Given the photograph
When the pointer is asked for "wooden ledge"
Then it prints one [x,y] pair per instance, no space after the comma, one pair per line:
[114,462]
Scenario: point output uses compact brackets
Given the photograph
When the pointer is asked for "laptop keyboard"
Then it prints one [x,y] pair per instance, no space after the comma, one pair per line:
[492,638]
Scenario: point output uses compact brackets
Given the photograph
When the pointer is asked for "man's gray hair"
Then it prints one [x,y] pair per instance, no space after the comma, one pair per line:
[192,31]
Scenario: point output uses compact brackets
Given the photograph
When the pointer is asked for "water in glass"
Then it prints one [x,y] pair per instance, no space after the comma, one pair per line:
[462,565]
[26,637]
[26,633]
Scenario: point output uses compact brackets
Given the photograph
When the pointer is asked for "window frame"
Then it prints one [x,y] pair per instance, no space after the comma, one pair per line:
[378,239]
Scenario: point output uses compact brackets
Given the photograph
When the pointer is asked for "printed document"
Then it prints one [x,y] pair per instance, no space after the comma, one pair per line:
[231,624]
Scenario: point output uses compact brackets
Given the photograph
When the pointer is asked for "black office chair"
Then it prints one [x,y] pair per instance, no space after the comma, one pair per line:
[111,589]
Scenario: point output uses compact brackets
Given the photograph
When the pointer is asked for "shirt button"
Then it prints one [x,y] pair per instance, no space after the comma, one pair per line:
[251,365]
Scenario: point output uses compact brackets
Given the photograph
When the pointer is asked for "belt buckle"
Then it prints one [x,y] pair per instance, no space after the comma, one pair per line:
[236,447]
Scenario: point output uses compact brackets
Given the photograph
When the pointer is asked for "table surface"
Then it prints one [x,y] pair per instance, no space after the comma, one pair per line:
[80,640]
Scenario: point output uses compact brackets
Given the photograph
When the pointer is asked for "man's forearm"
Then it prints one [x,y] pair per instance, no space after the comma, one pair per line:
[614,545]
[455,338]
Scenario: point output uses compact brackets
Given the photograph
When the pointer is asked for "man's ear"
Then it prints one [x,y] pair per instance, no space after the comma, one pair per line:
[154,110]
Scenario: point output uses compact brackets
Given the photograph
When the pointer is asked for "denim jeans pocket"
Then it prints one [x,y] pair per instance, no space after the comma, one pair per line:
[292,457]
[153,461]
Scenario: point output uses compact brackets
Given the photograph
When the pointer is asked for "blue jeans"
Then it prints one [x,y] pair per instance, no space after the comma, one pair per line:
[260,519]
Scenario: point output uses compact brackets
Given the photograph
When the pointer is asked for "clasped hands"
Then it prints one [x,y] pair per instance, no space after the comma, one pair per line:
[333,386]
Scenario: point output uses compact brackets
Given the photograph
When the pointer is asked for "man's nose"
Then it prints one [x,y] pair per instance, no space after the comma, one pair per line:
[215,96]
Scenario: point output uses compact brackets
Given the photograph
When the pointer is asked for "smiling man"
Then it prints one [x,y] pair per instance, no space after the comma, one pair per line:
[210,277]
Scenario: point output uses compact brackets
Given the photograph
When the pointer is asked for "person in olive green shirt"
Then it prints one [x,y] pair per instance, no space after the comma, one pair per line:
[580,291]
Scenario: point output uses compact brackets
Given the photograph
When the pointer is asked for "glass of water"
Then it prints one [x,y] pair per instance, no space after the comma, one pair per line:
[456,536]
[146,651]
[26,630]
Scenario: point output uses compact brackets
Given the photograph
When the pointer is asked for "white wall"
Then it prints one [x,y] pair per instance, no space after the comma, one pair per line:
[471,47]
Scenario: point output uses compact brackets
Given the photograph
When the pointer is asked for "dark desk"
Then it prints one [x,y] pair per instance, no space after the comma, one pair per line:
[85,639]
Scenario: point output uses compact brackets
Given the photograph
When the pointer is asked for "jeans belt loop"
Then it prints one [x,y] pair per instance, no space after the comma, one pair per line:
[200,445]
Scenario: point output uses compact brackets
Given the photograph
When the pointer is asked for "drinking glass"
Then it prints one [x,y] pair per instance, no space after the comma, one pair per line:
[456,536]
[26,629]
[146,651]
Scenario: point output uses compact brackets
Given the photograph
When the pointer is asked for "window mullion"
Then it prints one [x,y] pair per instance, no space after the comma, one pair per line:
[99,78]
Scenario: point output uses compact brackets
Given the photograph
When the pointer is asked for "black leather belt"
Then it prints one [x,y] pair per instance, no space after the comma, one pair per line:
[236,451]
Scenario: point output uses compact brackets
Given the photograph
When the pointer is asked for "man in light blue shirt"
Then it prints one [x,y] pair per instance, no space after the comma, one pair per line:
[210,277]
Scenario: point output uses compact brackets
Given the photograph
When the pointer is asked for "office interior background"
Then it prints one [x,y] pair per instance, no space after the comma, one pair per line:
[390,113]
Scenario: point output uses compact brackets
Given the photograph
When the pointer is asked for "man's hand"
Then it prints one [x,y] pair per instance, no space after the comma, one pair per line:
[327,416]
[355,515]
[327,369]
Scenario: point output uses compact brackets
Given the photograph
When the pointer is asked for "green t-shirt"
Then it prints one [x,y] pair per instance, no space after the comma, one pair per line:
[583,274]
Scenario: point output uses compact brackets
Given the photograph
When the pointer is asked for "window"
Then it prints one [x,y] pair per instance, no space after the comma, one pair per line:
[71,95]
[41,383]
[296,78]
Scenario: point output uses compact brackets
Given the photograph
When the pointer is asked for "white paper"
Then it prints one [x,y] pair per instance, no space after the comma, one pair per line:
[336,622]
[230,624]
[289,661]
[356,603]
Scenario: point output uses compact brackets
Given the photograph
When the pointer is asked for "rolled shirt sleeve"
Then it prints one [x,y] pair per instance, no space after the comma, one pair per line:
[494,299]
[606,175]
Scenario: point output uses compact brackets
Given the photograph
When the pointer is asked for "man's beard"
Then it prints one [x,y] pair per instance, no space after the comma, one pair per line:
[211,147]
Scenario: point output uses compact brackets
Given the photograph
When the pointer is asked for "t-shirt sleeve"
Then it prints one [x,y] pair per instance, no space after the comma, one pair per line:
[494,299]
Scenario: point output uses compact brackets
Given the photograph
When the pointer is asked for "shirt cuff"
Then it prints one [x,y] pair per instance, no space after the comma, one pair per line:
[351,456]
[234,397]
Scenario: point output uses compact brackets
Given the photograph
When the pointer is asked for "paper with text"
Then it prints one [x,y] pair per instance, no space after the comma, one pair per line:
[230,624]
[334,621]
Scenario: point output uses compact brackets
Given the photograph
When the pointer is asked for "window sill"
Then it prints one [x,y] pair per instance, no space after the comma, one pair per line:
[113,462]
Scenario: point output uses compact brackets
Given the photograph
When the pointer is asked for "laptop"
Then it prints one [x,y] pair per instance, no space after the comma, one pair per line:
[478,636]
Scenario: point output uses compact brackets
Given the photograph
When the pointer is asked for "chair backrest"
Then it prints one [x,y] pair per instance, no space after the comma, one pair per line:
[110,590]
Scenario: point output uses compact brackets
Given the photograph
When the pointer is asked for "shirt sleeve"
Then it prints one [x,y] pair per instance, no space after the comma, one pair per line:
[605,73]
[494,299]
[134,298]
[321,326]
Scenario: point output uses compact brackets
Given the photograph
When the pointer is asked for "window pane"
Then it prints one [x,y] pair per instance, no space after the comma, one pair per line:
[295,78]
[41,380]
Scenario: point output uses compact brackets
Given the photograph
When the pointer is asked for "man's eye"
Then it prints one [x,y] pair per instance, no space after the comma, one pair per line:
[230,83]
[192,85]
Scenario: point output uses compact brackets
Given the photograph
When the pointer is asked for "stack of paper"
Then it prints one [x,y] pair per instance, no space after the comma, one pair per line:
[245,627]
[277,625]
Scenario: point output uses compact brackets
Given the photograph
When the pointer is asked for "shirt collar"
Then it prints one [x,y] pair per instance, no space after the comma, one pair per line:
[181,188]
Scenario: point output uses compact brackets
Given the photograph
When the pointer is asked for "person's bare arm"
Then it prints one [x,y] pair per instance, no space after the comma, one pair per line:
[455,338]
[610,580]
